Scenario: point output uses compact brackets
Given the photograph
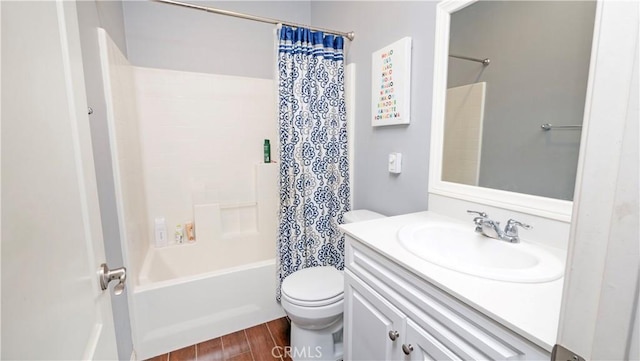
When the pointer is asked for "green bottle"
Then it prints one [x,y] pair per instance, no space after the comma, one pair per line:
[267,151]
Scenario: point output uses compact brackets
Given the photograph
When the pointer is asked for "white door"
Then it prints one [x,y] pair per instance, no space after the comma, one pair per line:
[52,304]
[599,316]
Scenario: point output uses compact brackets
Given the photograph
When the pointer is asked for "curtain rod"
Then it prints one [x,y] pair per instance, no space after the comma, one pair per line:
[484,62]
[349,35]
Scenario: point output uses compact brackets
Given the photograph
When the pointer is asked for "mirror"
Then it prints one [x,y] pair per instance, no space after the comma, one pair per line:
[505,70]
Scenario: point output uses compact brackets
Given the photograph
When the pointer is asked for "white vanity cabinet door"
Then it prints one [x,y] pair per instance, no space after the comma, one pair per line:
[423,346]
[369,320]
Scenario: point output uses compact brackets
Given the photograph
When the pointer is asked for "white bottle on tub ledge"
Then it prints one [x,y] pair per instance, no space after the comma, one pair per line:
[160,232]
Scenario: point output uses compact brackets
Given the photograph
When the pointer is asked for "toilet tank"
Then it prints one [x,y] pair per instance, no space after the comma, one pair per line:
[360,215]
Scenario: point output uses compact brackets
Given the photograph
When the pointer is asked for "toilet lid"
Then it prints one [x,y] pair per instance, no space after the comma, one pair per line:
[314,285]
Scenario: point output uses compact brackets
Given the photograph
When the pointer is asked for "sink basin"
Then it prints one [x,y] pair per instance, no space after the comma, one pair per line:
[461,249]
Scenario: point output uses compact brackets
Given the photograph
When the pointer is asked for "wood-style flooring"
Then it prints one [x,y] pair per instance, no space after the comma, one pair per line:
[265,342]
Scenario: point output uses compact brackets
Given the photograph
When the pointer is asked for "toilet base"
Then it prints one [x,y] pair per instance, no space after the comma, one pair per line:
[317,345]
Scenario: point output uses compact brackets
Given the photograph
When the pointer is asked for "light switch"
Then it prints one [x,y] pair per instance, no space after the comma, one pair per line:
[395,163]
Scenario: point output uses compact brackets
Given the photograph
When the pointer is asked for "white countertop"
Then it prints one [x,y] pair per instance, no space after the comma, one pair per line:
[531,310]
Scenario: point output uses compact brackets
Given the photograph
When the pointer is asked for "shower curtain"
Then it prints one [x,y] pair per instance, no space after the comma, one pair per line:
[314,168]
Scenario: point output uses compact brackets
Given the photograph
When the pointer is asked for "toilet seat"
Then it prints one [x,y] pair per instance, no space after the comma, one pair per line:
[314,287]
[315,303]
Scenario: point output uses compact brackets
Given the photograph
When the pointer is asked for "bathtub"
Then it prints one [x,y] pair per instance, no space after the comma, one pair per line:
[184,294]
[174,310]
[224,282]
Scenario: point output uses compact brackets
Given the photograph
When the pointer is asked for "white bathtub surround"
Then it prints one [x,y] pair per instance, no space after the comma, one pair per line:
[201,137]
[222,283]
[122,116]
[229,235]
[464,118]
[528,309]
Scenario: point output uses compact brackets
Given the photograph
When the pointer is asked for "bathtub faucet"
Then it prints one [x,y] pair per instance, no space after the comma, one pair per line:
[490,228]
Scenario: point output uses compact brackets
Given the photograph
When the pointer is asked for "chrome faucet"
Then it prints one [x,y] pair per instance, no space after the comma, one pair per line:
[490,228]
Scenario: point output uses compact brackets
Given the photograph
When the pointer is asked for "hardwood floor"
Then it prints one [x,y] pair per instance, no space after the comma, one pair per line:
[264,342]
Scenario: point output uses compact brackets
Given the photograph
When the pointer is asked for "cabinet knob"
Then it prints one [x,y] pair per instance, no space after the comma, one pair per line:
[407,349]
[393,335]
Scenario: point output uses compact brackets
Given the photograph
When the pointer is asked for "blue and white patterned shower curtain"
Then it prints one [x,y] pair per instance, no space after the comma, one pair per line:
[314,167]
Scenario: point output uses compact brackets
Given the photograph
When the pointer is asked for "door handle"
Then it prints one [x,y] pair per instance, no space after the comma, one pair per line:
[105,275]
[393,335]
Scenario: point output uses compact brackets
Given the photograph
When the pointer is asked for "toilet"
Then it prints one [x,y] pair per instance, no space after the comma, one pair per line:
[313,298]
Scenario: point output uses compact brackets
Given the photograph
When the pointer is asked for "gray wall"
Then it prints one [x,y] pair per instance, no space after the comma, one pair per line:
[171,37]
[108,15]
[377,24]
[539,53]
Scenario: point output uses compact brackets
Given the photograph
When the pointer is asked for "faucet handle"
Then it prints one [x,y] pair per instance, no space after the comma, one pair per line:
[481,214]
[511,229]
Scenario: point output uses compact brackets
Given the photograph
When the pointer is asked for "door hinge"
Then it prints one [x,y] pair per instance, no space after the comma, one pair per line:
[561,353]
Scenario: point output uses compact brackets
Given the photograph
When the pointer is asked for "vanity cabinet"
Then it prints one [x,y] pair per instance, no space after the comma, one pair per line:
[378,325]
[392,314]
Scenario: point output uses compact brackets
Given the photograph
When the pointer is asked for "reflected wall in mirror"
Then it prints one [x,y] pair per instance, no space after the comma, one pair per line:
[539,55]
